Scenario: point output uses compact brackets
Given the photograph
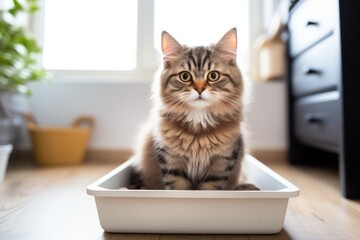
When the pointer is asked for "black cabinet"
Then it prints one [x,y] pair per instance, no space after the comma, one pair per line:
[324,86]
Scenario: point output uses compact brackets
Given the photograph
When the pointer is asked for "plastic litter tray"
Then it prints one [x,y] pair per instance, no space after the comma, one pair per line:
[193,211]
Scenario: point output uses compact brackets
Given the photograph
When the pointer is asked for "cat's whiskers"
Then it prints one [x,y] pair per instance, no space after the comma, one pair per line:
[225,101]
[173,105]
[221,108]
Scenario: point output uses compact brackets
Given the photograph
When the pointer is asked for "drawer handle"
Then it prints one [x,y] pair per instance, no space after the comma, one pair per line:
[312,119]
[312,71]
[312,24]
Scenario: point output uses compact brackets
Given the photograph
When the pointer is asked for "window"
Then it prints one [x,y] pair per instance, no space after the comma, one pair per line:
[90,35]
[121,38]
[202,21]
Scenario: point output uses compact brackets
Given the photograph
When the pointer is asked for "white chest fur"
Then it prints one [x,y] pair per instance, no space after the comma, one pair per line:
[200,116]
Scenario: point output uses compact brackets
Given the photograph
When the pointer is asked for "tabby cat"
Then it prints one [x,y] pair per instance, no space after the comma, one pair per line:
[194,139]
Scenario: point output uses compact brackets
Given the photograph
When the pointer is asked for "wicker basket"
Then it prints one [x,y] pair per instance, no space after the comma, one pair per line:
[60,145]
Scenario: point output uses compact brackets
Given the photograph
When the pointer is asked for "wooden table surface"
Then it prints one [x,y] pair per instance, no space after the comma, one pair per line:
[51,203]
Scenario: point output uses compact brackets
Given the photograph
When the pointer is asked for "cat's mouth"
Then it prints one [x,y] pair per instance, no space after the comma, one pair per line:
[197,100]
[200,98]
[200,102]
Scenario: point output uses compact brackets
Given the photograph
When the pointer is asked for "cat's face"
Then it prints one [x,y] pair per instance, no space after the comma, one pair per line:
[201,77]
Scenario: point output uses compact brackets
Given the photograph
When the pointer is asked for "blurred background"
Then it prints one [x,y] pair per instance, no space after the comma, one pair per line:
[101,56]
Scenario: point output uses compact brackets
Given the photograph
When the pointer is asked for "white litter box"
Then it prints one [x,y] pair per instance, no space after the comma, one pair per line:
[193,211]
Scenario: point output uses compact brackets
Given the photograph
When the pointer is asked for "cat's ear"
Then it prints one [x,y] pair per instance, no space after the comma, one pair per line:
[228,43]
[170,47]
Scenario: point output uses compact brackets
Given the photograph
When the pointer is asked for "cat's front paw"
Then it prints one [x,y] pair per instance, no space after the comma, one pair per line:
[247,187]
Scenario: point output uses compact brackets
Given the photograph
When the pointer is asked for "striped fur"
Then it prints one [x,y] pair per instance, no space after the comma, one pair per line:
[194,139]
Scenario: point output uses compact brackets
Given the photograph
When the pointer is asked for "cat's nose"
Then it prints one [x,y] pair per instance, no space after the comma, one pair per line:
[199,86]
[200,90]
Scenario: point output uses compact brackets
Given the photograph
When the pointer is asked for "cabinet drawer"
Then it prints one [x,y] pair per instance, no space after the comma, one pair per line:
[310,21]
[317,120]
[318,68]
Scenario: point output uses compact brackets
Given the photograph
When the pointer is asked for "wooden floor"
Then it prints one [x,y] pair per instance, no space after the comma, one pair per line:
[51,203]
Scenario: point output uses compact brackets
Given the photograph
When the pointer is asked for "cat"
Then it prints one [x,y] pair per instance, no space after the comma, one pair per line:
[194,141]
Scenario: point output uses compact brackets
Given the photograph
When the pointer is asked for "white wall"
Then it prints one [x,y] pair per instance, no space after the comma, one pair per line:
[266,116]
[121,108]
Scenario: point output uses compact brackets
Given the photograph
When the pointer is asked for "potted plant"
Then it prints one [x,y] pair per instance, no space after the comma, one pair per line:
[18,65]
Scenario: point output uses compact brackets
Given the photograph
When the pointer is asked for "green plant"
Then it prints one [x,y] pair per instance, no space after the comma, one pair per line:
[18,49]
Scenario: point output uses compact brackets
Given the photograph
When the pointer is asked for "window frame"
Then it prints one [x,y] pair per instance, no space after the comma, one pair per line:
[147,58]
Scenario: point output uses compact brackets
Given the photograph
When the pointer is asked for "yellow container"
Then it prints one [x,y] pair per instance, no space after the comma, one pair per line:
[60,145]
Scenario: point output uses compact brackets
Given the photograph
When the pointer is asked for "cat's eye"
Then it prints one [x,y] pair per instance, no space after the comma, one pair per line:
[185,76]
[213,76]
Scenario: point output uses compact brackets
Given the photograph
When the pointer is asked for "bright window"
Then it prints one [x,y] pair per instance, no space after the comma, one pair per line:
[202,21]
[99,39]
[90,34]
